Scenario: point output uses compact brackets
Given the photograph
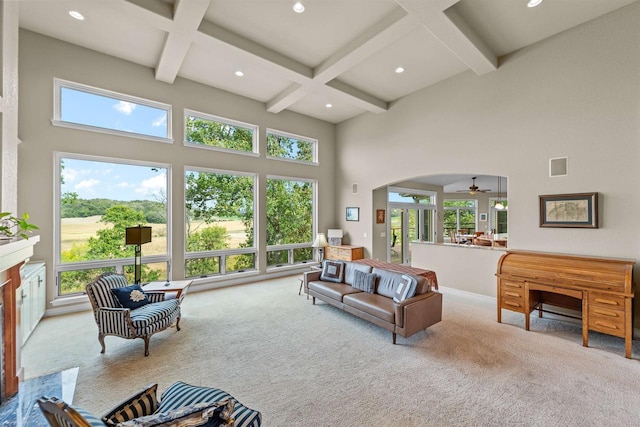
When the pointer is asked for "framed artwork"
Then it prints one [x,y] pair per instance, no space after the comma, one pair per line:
[380,216]
[483,217]
[579,210]
[353,214]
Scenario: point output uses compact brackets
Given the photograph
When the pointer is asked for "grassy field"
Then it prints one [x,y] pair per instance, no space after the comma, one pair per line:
[78,230]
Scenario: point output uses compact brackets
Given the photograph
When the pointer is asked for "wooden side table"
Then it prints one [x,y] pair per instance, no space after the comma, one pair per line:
[180,287]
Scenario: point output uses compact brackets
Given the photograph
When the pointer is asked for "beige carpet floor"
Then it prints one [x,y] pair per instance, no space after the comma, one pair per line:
[305,365]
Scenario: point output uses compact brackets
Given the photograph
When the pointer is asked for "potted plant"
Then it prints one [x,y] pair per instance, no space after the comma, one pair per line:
[12,227]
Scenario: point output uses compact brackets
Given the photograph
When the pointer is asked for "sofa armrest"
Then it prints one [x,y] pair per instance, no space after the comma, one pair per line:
[417,310]
[310,276]
[109,320]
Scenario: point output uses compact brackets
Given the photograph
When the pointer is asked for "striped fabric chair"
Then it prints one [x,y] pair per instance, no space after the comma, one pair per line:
[180,405]
[142,322]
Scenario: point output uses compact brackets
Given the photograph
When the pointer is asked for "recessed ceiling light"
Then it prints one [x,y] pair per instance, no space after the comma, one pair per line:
[76,15]
[239,73]
[534,3]
[399,70]
[329,105]
[298,7]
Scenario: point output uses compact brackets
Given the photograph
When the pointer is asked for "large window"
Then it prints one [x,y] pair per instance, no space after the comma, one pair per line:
[96,200]
[208,131]
[460,215]
[282,145]
[411,218]
[100,110]
[219,227]
[290,220]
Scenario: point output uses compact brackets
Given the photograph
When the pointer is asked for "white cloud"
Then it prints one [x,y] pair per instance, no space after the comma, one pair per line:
[153,185]
[69,175]
[160,121]
[125,107]
[87,183]
[123,185]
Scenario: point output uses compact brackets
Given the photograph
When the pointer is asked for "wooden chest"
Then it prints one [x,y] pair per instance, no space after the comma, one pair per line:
[344,252]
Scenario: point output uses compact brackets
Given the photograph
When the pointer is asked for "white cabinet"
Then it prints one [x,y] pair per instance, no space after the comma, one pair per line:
[31,297]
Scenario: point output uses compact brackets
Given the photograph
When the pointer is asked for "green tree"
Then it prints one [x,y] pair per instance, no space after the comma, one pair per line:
[207,132]
[109,243]
[289,148]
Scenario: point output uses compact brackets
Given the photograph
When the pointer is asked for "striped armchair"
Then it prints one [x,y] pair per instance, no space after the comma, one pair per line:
[113,319]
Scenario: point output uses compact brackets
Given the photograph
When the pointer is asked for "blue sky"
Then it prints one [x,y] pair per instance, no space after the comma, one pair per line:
[101,111]
[91,180]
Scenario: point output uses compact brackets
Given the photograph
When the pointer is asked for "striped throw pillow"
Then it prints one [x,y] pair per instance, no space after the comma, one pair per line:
[365,282]
[140,404]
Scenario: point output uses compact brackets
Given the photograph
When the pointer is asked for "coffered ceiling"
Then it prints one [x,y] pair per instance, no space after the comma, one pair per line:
[338,52]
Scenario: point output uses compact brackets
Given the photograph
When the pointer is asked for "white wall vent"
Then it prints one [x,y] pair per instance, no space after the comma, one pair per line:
[354,188]
[559,166]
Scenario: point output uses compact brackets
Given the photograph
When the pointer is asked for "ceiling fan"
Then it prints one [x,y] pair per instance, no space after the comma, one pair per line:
[474,188]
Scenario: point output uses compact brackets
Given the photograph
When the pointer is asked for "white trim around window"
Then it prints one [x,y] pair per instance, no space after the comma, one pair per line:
[59,84]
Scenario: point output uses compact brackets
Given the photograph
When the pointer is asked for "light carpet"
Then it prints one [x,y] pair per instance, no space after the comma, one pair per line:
[306,365]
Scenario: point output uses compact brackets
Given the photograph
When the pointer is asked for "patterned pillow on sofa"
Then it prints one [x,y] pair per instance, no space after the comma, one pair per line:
[365,282]
[406,288]
[332,271]
[213,414]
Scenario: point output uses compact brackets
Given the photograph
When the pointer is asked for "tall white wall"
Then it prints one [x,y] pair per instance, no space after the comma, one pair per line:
[576,95]
[42,59]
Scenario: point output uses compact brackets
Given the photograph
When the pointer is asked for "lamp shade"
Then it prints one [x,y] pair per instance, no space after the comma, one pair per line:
[137,235]
[334,232]
[320,242]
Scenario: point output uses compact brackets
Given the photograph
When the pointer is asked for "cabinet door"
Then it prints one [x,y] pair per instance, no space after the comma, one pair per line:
[39,290]
[24,298]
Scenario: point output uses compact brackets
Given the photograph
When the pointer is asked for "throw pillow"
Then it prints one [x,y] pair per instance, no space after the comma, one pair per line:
[131,297]
[199,415]
[332,271]
[365,282]
[406,288]
[140,404]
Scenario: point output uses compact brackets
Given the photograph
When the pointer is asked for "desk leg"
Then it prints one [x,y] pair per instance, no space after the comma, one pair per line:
[527,312]
[585,319]
[628,327]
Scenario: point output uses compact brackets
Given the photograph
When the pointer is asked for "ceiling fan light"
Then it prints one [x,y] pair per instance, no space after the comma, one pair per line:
[499,206]
[534,3]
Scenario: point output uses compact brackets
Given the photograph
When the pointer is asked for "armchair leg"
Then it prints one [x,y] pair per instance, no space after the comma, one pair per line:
[146,345]
[178,323]
[394,337]
[101,339]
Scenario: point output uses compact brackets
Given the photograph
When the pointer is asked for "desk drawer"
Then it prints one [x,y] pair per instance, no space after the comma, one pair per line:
[606,300]
[606,320]
[513,304]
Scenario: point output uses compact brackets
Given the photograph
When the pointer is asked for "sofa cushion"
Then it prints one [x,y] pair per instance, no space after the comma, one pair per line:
[182,394]
[332,271]
[406,288]
[351,267]
[365,282]
[131,297]
[388,282]
[376,305]
[332,290]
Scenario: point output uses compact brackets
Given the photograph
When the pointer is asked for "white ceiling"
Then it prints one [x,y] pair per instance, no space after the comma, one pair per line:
[342,52]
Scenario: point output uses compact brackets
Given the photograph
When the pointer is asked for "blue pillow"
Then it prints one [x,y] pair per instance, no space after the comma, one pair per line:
[131,297]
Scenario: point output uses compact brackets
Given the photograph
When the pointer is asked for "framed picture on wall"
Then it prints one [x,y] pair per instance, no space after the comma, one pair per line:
[353,214]
[579,210]
[483,217]
[380,216]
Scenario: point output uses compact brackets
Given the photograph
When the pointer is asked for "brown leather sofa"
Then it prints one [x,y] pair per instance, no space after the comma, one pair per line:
[405,318]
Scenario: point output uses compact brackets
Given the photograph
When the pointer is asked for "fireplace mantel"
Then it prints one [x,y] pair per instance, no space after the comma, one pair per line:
[12,256]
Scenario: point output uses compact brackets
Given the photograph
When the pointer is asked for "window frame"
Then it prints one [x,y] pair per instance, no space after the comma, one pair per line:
[120,263]
[458,209]
[217,119]
[222,253]
[313,162]
[290,247]
[57,110]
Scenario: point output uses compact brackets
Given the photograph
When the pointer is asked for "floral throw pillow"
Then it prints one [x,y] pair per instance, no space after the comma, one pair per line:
[131,297]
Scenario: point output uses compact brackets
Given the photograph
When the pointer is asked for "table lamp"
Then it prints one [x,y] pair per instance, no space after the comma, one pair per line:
[137,236]
[320,243]
[335,236]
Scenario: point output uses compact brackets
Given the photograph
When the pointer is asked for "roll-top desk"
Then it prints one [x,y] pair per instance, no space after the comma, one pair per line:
[602,288]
